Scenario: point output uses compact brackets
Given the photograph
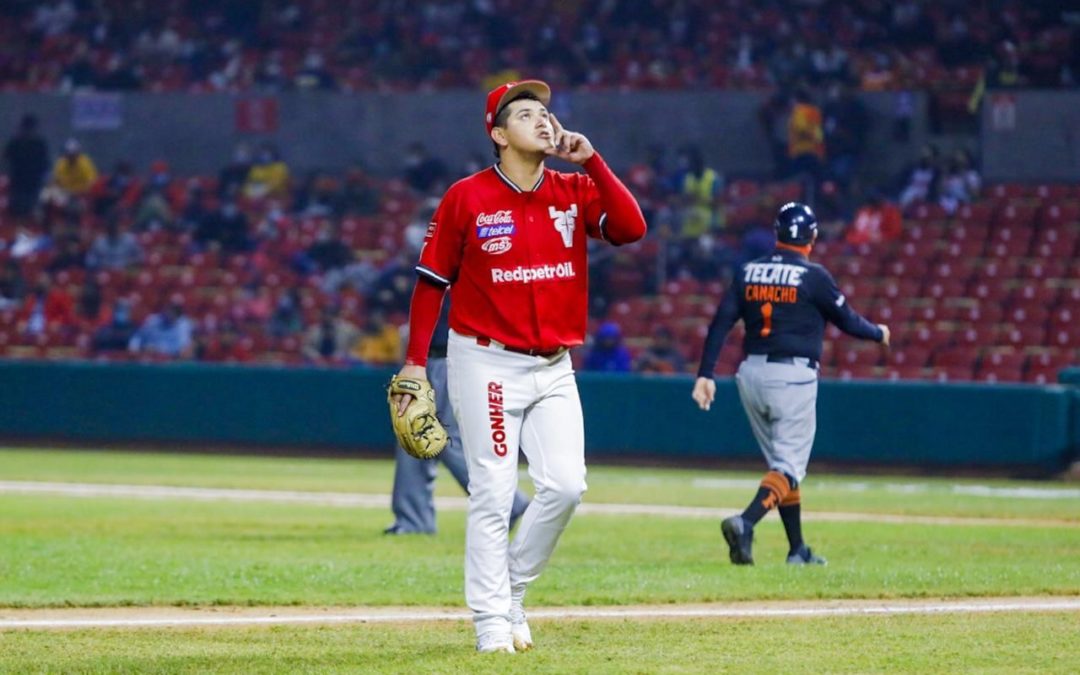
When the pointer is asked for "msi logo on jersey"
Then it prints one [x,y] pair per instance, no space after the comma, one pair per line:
[564,223]
[497,246]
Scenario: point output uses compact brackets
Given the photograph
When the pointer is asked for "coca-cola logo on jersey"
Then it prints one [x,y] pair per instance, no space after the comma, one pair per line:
[497,218]
[498,224]
[497,246]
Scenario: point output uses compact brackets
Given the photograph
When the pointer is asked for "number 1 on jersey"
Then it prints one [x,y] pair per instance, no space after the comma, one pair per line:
[766,316]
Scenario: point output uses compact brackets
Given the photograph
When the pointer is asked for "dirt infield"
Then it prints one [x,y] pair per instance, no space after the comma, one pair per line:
[159,617]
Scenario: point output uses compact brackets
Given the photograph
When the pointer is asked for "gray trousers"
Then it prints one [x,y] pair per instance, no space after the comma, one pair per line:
[413,500]
[780,401]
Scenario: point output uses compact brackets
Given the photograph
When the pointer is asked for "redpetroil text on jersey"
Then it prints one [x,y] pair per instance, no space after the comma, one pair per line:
[527,275]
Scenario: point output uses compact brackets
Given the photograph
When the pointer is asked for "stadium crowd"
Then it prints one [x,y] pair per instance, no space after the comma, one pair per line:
[274,45]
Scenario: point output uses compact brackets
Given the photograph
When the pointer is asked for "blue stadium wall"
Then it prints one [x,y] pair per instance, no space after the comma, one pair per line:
[915,424]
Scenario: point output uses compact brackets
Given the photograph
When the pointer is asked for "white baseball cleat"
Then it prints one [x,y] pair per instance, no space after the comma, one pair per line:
[519,630]
[493,643]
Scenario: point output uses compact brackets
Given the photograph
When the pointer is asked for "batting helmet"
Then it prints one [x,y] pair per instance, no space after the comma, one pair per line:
[795,224]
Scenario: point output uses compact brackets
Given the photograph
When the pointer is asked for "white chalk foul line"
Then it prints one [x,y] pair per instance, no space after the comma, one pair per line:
[353,500]
[827,609]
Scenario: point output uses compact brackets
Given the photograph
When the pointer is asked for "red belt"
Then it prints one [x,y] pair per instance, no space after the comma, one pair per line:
[546,353]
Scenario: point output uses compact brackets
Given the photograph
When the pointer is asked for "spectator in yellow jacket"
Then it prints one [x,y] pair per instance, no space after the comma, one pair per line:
[269,175]
[74,172]
[379,343]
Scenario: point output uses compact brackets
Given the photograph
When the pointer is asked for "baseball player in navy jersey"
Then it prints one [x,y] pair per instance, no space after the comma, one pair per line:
[511,241]
[413,500]
[784,301]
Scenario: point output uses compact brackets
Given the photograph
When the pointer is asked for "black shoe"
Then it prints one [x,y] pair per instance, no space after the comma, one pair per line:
[804,556]
[739,536]
[393,529]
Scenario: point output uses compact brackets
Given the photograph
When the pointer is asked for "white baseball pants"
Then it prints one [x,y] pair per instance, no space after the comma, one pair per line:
[502,401]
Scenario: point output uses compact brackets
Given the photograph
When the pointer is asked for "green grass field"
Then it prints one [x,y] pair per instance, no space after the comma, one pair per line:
[64,551]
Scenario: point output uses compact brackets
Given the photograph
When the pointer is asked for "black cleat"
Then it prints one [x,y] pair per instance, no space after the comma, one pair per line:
[804,556]
[739,536]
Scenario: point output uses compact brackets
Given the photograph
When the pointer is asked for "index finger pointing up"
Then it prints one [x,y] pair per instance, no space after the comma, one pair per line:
[558,128]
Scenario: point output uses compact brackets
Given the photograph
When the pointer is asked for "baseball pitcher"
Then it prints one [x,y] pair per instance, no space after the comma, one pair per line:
[512,242]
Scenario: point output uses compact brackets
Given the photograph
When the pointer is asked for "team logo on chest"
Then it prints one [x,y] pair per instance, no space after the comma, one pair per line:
[564,222]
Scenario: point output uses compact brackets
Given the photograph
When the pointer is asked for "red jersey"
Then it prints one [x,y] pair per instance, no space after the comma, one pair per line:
[517,260]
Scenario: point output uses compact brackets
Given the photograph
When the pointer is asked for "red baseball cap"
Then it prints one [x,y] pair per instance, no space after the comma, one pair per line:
[499,96]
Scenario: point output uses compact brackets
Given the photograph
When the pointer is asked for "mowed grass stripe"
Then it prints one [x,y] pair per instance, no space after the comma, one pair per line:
[154,618]
[350,500]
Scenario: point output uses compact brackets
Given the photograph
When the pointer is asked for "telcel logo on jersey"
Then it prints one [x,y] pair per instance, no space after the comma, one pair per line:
[497,246]
[527,275]
[498,224]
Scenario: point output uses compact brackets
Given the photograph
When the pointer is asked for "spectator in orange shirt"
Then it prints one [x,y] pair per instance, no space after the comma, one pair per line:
[877,221]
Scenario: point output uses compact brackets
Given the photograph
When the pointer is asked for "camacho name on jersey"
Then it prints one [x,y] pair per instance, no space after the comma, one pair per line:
[772,282]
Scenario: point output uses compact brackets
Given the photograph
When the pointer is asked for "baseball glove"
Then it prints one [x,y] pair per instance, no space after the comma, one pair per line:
[418,430]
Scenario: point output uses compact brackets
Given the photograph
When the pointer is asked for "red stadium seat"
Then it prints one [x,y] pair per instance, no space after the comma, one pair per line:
[1064,317]
[904,373]
[969,248]
[924,249]
[1065,337]
[891,314]
[960,232]
[957,355]
[859,355]
[1058,214]
[1044,269]
[978,214]
[1020,336]
[1052,192]
[1041,375]
[1028,313]
[952,374]
[928,211]
[1055,242]
[991,291]
[856,372]
[910,268]
[899,288]
[1004,358]
[944,288]
[993,374]
[1017,215]
[1001,250]
[925,232]
[977,335]
[1008,191]
[997,268]
[960,269]
[908,356]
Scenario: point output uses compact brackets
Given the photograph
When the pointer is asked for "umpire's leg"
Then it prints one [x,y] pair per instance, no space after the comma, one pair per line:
[413,501]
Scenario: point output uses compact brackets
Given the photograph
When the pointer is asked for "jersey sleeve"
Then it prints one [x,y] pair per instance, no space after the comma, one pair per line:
[444,243]
[726,316]
[835,308]
[611,212]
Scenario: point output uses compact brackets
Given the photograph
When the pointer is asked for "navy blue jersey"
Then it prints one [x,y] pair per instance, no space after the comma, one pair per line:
[784,301]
